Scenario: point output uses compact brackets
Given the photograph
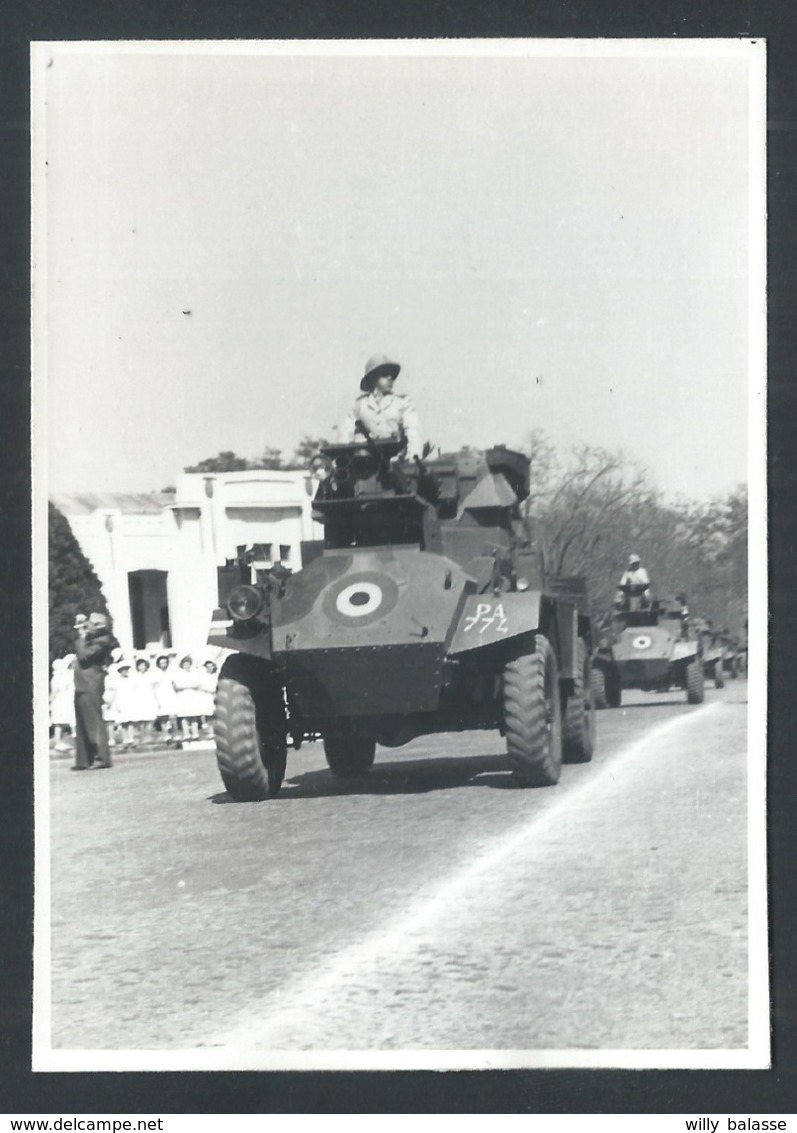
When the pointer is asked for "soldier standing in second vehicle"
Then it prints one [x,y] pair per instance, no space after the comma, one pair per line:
[378,412]
[634,575]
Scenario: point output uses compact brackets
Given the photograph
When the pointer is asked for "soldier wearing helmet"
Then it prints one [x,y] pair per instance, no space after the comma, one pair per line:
[634,575]
[380,413]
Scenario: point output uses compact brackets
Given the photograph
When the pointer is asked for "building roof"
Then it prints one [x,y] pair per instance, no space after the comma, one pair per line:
[129,503]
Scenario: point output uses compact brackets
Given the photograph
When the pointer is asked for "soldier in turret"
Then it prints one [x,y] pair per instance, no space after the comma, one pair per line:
[634,576]
[378,412]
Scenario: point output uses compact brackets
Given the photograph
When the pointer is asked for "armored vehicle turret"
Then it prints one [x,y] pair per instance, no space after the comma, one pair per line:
[424,609]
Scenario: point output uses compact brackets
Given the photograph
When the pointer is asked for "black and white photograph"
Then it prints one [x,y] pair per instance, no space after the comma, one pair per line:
[399,496]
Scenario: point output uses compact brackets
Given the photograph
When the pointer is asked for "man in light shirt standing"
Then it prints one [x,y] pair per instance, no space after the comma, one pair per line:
[378,412]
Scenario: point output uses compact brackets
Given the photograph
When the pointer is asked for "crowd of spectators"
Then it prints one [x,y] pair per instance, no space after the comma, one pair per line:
[160,697]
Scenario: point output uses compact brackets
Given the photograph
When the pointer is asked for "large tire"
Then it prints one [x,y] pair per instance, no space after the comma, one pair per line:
[578,722]
[250,729]
[349,757]
[614,690]
[719,676]
[532,717]
[694,683]
[598,682]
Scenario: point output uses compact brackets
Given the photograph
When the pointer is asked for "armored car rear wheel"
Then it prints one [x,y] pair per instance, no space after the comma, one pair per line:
[598,682]
[578,722]
[614,690]
[250,730]
[349,756]
[694,683]
[532,717]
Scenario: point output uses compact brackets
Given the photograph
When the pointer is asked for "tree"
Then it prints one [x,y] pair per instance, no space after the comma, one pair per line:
[228,461]
[587,511]
[73,586]
[595,507]
[271,458]
[714,536]
[305,450]
[224,462]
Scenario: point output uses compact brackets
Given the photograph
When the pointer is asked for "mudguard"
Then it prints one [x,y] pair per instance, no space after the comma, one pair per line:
[486,619]
[257,643]
[684,650]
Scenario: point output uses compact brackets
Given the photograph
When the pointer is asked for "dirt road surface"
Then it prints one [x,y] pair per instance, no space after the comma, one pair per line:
[429,906]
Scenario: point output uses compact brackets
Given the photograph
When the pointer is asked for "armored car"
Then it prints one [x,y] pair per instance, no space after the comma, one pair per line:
[424,609]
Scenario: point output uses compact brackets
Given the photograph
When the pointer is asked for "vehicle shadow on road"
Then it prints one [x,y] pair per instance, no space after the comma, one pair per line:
[407,777]
[654,702]
[662,701]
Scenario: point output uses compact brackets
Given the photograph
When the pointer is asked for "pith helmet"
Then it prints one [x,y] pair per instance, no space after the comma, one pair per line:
[633,559]
[378,366]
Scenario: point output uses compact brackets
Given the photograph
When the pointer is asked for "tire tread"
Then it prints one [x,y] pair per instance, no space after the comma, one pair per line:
[695,686]
[578,722]
[240,742]
[598,681]
[535,754]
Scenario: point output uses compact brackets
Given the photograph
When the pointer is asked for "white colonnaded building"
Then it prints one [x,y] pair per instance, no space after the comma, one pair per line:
[157,554]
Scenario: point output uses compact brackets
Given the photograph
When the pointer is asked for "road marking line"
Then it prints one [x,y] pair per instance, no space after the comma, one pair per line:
[400,936]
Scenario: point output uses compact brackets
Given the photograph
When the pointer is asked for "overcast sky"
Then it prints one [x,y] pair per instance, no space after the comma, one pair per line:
[223,235]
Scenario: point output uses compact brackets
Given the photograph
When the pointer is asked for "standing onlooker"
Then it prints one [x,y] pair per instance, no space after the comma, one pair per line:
[190,701]
[62,700]
[165,698]
[93,646]
[109,706]
[208,679]
[145,703]
[126,703]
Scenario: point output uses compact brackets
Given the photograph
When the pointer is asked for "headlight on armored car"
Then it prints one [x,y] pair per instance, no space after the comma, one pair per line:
[245,603]
[320,467]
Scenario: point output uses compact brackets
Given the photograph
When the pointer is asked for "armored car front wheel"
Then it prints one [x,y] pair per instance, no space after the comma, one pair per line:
[598,682]
[578,722]
[250,730]
[694,683]
[614,690]
[532,717]
[349,756]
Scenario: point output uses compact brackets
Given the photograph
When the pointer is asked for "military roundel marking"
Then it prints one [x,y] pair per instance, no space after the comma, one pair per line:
[642,641]
[360,599]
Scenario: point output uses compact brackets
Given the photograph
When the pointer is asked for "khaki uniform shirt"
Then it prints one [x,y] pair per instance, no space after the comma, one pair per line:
[638,577]
[384,415]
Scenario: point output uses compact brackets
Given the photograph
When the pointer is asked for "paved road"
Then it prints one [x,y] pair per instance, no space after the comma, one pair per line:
[427,907]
